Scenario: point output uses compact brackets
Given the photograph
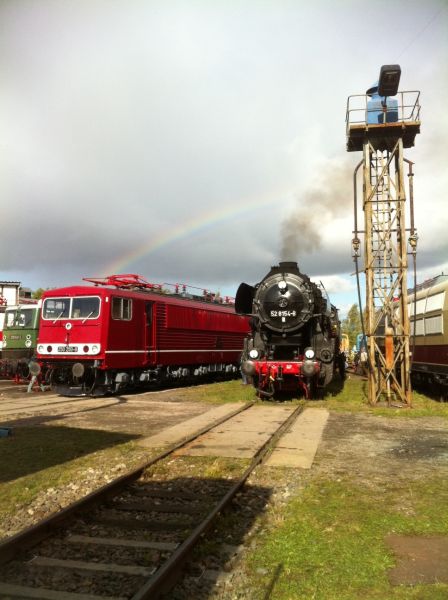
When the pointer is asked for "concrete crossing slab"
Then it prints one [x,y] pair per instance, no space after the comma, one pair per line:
[298,446]
[179,432]
[241,436]
[244,434]
[238,444]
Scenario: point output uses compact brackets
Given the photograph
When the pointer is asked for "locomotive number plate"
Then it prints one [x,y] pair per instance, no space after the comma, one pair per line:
[67,348]
[283,313]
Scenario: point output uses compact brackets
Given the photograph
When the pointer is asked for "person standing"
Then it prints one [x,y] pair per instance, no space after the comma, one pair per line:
[363,358]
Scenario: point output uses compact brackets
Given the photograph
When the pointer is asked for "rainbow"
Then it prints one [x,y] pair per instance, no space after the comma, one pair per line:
[192,227]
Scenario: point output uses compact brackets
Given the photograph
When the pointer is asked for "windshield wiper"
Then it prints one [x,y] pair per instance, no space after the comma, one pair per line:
[58,317]
[89,315]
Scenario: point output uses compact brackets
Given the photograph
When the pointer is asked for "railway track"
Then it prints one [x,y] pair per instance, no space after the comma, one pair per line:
[130,539]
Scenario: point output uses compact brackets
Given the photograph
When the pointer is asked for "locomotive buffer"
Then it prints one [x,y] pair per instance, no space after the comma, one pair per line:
[381,123]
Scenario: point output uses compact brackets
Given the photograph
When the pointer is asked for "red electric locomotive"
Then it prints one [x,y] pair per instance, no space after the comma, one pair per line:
[126,333]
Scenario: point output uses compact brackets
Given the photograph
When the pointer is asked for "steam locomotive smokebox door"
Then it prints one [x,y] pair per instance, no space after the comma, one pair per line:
[283,306]
[284,301]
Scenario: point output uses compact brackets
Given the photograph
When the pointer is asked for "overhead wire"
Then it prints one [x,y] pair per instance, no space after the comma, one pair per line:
[421,31]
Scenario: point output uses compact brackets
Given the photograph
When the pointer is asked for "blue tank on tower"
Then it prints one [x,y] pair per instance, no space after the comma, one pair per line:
[380,109]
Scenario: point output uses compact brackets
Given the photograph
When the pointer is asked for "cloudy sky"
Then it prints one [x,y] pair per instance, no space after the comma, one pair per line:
[203,141]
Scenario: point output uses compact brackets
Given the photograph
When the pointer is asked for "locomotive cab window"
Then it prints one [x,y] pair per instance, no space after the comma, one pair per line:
[23,318]
[85,308]
[56,308]
[81,307]
[121,308]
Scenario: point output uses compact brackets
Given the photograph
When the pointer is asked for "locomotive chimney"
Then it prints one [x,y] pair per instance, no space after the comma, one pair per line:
[288,265]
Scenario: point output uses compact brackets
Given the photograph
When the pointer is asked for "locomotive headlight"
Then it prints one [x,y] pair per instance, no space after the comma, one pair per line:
[282,285]
[95,349]
[40,348]
[309,353]
[254,353]
[28,343]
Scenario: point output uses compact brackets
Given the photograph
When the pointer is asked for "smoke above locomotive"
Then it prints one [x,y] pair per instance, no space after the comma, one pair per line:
[295,333]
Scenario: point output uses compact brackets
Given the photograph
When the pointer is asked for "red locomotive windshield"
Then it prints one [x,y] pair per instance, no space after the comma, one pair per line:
[79,307]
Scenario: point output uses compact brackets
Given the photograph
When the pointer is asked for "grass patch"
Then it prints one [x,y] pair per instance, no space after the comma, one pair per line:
[36,458]
[352,397]
[221,393]
[330,543]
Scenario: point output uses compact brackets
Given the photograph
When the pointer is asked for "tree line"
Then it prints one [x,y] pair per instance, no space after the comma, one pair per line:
[351,325]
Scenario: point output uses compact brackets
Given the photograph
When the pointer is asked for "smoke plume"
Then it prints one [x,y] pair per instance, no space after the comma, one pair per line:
[330,196]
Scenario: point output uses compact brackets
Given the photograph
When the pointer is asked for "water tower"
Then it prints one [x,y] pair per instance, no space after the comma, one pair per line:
[381,123]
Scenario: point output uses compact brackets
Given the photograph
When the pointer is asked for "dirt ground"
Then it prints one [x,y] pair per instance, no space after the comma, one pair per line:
[138,415]
[373,450]
[141,414]
[380,453]
[395,452]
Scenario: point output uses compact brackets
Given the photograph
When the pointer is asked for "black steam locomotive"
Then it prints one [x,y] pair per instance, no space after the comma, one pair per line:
[294,342]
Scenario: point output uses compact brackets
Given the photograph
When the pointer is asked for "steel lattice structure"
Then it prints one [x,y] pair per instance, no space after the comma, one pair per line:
[385,264]
[386,249]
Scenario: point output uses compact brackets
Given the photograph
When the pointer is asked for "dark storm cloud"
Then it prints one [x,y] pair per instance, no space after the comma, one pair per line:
[79,246]
[211,258]
[123,120]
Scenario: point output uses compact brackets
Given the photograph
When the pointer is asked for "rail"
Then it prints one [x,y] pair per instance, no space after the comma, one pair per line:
[157,580]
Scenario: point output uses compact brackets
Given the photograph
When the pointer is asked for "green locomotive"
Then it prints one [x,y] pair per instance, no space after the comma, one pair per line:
[20,332]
